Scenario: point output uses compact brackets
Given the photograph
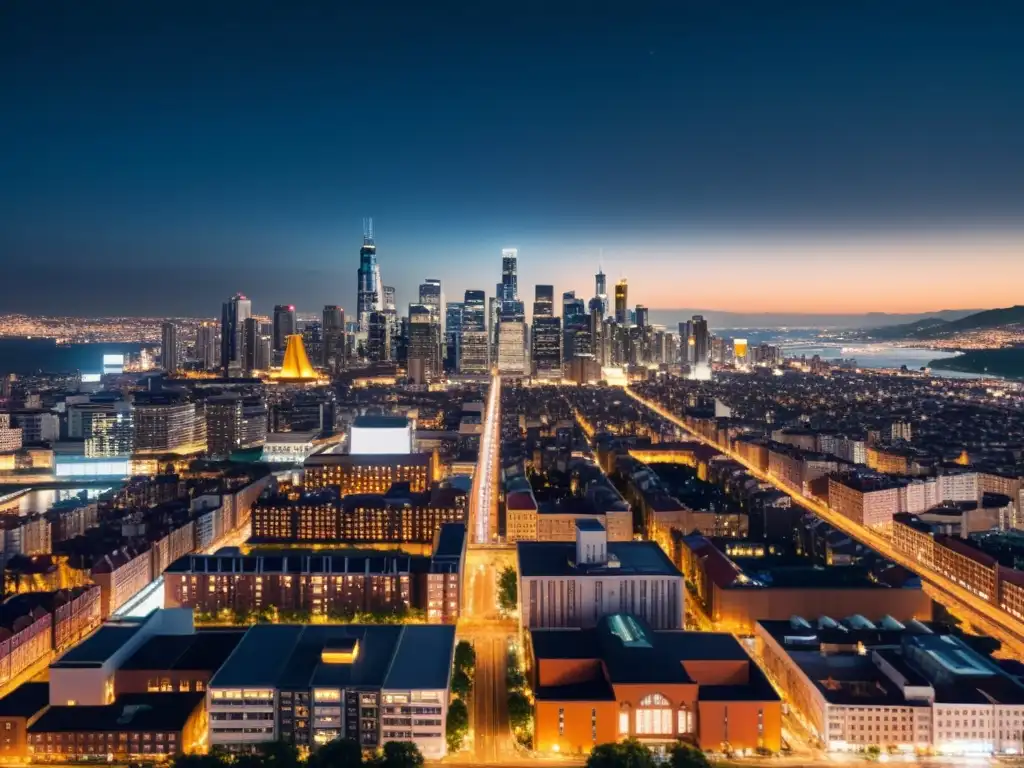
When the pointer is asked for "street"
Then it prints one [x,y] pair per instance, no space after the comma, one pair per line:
[980,614]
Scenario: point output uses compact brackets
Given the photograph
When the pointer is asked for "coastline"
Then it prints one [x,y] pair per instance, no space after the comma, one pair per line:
[1006,362]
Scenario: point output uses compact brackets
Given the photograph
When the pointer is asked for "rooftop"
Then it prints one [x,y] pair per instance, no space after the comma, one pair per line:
[626,558]
[130,712]
[403,657]
[206,649]
[381,422]
[25,700]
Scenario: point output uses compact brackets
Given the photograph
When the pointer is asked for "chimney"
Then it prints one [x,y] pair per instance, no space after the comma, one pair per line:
[591,543]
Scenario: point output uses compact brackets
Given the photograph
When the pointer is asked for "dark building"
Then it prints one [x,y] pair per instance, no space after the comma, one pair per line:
[284,325]
[544,301]
[546,347]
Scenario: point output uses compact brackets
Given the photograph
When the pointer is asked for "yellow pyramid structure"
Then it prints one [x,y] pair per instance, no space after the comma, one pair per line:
[296,363]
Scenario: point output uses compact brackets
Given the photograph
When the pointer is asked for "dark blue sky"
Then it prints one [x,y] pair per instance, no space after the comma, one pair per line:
[158,156]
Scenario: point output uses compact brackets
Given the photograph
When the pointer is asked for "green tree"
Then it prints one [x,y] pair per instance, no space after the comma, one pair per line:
[687,756]
[462,684]
[515,679]
[465,657]
[198,761]
[457,724]
[519,711]
[399,754]
[626,754]
[508,589]
[340,753]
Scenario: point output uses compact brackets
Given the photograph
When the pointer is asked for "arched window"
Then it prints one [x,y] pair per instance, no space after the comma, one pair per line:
[654,716]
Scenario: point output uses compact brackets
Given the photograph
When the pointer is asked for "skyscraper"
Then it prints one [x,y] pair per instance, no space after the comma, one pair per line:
[641,316]
[335,352]
[169,347]
[284,325]
[509,274]
[368,296]
[546,346]
[378,338]
[600,292]
[544,301]
[256,346]
[424,345]
[574,321]
[432,298]
[701,340]
[452,335]
[474,346]
[206,345]
[234,313]
[389,299]
[621,313]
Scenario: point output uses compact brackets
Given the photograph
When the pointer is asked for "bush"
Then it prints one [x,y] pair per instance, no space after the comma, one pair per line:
[457,724]
[520,713]
[508,589]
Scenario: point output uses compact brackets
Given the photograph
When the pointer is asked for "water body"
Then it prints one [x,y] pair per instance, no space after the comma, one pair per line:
[881,356]
[28,356]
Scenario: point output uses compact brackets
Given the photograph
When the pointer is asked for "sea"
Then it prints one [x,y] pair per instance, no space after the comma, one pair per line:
[881,356]
[27,356]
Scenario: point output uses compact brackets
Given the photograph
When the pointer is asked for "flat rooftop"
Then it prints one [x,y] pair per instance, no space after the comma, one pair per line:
[542,558]
[206,649]
[380,422]
[289,656]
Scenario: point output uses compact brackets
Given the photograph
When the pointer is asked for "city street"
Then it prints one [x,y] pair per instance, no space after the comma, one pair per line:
[980,614]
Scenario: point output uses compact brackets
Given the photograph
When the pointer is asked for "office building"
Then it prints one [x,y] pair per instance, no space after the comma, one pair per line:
[452,335]
[309,685]
[369,295]
[256,346]
[546,346]
[575,584]
[108,430]
[701,341]
[37,426]
[169,353]
[623,679]
[325,517]
[167,423]
[600,293]
[474,357]
[234,313]
[642,320]
[509,292]
[432,298]
[424,345]
[234,423]
[369,474]
[621,302]
[378,338]
[512,348]
[207,346]
[544,301]
[284,325]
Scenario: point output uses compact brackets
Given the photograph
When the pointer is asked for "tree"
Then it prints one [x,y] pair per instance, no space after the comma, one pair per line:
[626,754]
[340,753]
[399,754]
[508,589]
[457,724]
[686,756]
[461,684]
[519,711]
[515,679]
[465,657]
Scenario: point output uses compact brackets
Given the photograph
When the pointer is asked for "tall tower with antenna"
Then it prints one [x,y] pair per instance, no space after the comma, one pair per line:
[369,292]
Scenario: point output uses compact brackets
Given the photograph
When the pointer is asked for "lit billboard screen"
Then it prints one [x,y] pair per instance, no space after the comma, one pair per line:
[378,440]
[91,378]
[113,360]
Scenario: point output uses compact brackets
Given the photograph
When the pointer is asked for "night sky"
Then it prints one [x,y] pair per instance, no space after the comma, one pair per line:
[818,156]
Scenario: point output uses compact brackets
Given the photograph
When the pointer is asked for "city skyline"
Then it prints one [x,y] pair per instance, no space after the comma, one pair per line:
[717,167]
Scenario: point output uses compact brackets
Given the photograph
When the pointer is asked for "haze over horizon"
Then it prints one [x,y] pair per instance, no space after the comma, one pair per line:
[783,157]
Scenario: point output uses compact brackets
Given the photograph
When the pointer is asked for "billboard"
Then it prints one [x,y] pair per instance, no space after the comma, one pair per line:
[91,378]
[381,440]
[113,363]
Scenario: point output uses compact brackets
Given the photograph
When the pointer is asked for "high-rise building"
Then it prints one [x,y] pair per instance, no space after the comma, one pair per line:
[473,346]
[642,316]
[108,430]
[378,338]
[256,346]
[335,352]
[389,299]
[509,275]
[432,298]
[546,346]
[368,295]
[452,335]
[234,423]
[493,320]
[512,347]
[167,423]
[544,301]
[574,322]
[601,291]
[234,313]
[424,345]
[169,347]
[206,346]
[621,313]
[701,341]
[284,325]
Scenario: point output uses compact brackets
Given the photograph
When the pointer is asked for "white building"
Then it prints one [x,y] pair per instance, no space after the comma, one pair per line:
[10,437]
[512,348]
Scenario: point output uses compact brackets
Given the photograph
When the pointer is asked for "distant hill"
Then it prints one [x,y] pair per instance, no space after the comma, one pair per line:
[996,362]
[670,318]
[938,327]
